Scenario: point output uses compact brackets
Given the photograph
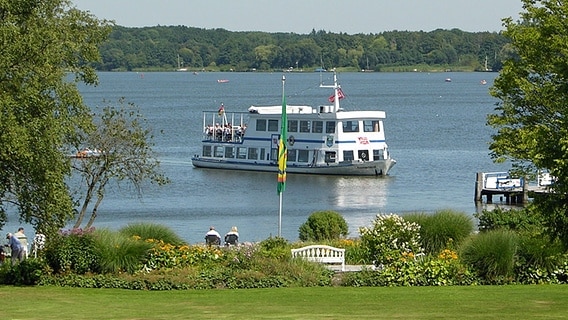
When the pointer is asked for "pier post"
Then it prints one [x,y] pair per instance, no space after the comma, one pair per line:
[525,196]
[478,187]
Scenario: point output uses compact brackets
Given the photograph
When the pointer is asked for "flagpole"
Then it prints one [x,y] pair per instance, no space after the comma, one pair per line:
[280,217]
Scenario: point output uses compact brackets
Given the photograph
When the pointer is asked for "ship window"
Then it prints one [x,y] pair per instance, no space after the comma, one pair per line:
[304,126]
[317,126]
[348,155]
[330,127]
[371,126]
[241,153]
[303,155]
[273,125]
[378,154]
[229,152]
[218,152]
[253,153]
[206,151]
[350,126]
[292,125]
[262,153]
[260,124]
[292,155]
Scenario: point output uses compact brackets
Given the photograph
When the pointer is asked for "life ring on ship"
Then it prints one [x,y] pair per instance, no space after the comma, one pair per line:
[363,156]
[291,140]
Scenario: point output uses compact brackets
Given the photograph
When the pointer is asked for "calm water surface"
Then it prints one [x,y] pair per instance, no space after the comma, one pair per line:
[435,130]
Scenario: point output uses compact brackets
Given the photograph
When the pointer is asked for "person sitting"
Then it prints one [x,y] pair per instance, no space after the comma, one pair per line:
[212,237]
[232,237]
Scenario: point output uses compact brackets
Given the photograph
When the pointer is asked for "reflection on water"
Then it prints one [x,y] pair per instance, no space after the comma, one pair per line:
[344,193]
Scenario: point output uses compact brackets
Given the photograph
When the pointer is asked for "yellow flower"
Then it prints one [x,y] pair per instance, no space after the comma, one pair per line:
[448,254]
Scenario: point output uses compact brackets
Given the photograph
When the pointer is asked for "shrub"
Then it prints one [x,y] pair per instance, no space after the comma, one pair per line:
[27,272]
[118,253]
[442,270]
[323,225]
[275,247]
[538,259]
[512,219]
[389,238]
[491,254]
[167,256]
[443,229]
[72,251]
[147,231]
[355,253]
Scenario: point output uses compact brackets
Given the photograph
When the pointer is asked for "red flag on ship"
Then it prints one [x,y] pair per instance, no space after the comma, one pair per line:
[340,95]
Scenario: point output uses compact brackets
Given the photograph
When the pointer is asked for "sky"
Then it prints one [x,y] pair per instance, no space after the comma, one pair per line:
[303,16]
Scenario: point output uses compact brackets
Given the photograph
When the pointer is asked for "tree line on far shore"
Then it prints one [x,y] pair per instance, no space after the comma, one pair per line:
[196,49]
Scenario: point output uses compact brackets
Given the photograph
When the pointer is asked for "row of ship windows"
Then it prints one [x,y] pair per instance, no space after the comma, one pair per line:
[294,155]
[317,126]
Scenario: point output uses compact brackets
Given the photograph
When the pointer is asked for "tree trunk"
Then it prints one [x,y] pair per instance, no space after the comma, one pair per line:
[94,212]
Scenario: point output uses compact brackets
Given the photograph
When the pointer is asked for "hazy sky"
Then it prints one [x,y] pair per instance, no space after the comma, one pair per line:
[301,16]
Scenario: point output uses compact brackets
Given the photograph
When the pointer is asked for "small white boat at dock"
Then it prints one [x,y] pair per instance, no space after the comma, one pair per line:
[321,140]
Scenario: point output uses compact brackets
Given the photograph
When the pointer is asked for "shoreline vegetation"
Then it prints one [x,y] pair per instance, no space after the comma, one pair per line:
[420,68]
[194,49]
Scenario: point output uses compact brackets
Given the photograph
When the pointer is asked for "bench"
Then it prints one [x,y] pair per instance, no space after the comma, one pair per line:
[321,254]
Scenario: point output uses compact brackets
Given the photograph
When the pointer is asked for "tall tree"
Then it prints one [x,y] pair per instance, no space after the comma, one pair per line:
[40,107]
[532,115]
[120,149]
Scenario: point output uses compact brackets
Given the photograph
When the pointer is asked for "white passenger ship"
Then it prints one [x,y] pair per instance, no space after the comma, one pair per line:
[321,140]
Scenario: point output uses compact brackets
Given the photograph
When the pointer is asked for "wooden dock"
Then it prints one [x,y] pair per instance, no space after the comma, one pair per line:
[514,190]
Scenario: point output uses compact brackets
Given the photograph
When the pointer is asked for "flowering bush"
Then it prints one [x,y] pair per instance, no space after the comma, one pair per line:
[165,255]
[389,238]
[443,270]
[72,251]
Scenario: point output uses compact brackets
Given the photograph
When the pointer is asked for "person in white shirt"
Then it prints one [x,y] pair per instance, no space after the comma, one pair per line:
[23,240]
[212,237]
[232,237]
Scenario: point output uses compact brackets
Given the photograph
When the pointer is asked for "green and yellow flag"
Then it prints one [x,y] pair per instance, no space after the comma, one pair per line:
[282,149]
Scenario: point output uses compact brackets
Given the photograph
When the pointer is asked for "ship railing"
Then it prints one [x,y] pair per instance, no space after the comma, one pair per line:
[222,126]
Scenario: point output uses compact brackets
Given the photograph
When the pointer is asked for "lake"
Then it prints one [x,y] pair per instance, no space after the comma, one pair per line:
[435,130]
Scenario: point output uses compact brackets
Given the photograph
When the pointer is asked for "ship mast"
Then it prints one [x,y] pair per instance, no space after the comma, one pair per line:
[336,88]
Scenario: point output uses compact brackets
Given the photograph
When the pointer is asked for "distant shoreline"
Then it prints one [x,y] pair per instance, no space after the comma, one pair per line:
[386,70]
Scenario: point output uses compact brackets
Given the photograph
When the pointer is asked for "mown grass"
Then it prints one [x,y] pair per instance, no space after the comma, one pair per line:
[481,302]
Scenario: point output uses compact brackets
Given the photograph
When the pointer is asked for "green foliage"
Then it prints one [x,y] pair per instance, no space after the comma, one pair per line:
[147,231]
[40,109]
[492,255]
[540,259]
[523,220]
[443,229]
[355,253]
[443,270]
[275,247]
[323,225]
[201,267]
[389,238]
[118,253]
[530,116]
[72,251]
[27,272]
[164,255]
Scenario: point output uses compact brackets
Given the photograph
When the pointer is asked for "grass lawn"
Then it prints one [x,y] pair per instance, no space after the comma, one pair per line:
[481,302]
